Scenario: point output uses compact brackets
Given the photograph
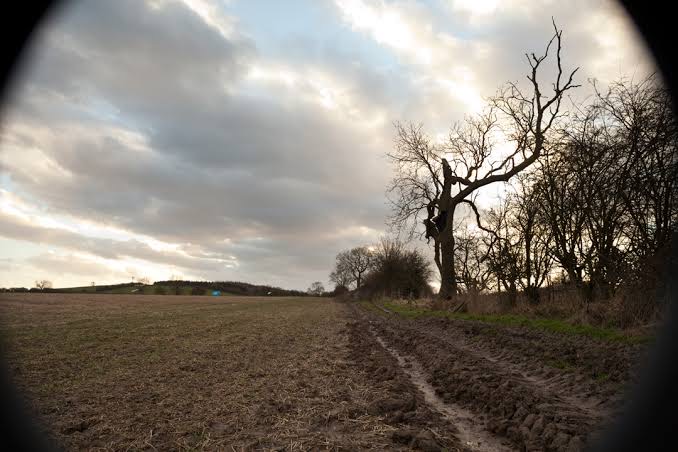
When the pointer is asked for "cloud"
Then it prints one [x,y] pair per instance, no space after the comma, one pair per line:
[160,136]
[462,53]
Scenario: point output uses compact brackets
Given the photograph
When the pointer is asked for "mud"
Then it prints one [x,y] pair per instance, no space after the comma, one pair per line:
[472,434]
[417,423]
[536,390]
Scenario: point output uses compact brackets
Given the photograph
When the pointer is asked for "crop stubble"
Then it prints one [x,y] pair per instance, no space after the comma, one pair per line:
[116,372]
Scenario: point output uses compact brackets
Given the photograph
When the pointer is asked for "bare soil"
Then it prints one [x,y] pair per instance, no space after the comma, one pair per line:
[540,390]
[118,372]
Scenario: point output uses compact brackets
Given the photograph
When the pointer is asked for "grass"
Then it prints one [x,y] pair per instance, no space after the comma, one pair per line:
[560,364]
[369,306]
[602,376]
[546,324]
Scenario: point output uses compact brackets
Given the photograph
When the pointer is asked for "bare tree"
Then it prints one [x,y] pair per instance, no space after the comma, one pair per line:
[341,276]
[316,289]
[432,181]
[594,155]
[503,250]
[533,257]
[417,185]
[608,192]
[43,284]
[563,210]
[351,266]
[472,270]
[642,123]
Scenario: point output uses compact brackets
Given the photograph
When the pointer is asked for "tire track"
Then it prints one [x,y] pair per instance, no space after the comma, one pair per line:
[559,385]
[472,434]
[532,412]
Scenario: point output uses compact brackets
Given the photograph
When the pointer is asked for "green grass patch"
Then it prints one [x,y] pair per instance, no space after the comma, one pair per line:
[560,364]
[602,376]
[552,325]
[369,306]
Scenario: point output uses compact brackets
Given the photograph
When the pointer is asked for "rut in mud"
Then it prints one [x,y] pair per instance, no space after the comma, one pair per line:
[471,434]
[509,380]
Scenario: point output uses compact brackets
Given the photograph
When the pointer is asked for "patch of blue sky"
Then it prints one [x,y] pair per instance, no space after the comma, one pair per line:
[6,182]
[97,111]
[104,110]
[444,19]
[314,28]
[101,110]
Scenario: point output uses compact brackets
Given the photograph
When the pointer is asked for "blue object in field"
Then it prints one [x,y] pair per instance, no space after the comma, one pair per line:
[216,293]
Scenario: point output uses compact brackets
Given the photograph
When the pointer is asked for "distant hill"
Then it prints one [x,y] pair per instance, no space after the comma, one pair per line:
[175,288]
[226,288]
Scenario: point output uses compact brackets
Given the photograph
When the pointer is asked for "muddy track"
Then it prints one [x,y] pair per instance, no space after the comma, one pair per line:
[416,423]
[501,376]
[592,369]
[472,434]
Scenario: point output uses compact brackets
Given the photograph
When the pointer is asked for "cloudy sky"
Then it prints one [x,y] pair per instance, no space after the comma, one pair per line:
[246,139]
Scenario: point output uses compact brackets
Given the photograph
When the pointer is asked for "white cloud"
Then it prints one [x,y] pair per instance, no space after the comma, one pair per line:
[318,86]
[145,133]
[212,14]
[476,7]
[440,60]
[12,207]
[387,25]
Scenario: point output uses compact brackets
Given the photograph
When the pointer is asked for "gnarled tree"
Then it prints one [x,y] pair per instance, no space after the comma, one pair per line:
[43,284]
[432,181]
[341,277]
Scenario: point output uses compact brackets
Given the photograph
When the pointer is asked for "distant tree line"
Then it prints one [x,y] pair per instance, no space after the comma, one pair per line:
[42,285]
[231,287]
[26,289]
[174,287]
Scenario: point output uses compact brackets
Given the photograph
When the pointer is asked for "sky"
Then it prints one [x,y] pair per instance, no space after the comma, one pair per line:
[246,139]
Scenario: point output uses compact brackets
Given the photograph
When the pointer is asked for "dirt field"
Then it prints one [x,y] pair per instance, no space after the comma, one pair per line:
[117,372]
